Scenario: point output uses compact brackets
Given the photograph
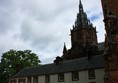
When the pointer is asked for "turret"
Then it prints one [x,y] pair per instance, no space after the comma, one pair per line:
[64,49]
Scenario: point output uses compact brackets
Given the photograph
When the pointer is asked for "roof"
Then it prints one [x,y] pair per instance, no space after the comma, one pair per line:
[66,66]
[101,46]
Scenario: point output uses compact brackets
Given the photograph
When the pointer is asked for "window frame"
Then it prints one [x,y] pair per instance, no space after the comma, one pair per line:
[35,79]
[91,74]
[29,79]
[61,77]
[47,78]
[75,76]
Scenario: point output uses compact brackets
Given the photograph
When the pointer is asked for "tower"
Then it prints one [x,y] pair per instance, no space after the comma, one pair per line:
[83,31]
[110,10]
[83,37]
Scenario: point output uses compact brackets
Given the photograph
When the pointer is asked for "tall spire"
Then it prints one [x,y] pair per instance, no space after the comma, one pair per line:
[82,19]
[80,7]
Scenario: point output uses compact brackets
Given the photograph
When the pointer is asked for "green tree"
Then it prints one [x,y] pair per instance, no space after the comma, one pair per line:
[14,61]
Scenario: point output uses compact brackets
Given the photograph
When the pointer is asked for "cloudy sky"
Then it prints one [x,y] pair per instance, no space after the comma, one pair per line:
[43,25]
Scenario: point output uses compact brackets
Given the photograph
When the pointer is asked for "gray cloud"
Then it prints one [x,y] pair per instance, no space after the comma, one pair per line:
[43,25]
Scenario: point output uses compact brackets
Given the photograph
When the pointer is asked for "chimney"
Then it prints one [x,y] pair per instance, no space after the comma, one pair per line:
[58,60]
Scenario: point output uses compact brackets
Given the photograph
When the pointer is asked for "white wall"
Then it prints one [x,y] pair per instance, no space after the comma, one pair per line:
[41,79]
[83,77]
[99,75]
[54,78]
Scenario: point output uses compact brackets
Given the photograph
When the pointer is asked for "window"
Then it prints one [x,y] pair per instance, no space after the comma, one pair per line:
[35,80]
[47,79]
[61,77]
[75,76]
[91,74]
[29,80]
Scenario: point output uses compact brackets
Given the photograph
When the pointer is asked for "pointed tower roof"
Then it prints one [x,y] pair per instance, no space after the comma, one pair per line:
[64,48]
[80,7]
[82,19]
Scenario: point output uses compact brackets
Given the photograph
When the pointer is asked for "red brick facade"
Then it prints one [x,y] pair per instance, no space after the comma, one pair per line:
[110,10]
[112,5]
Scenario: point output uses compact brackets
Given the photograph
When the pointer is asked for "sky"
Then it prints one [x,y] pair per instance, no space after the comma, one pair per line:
[44,25]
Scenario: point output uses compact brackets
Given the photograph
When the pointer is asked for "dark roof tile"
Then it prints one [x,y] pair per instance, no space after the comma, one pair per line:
[65,66]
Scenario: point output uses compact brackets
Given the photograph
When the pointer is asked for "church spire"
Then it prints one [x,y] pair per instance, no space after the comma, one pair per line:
[82,19]
[80,7]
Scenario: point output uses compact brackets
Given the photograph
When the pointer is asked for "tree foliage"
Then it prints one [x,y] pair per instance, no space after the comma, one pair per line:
[14,61]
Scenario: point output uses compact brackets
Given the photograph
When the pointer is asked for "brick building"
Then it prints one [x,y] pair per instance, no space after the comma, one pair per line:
[110,10]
